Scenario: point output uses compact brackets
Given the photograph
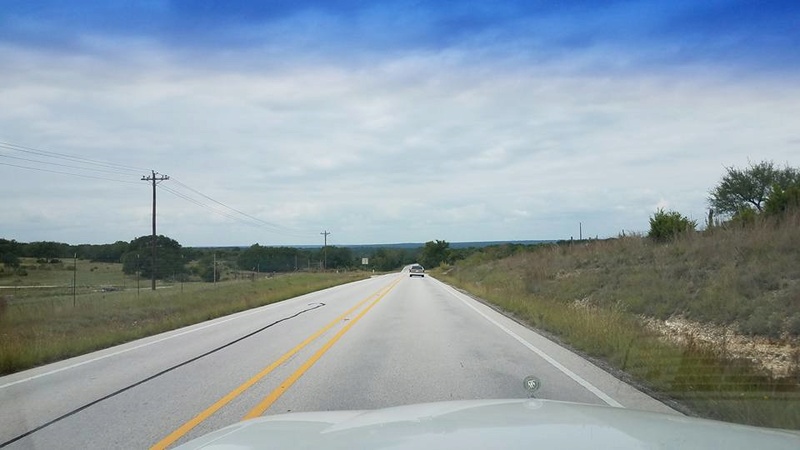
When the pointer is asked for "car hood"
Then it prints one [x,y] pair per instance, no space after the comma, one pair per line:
[508,424]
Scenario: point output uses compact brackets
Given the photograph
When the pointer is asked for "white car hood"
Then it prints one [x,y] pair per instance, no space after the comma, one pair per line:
[507,424]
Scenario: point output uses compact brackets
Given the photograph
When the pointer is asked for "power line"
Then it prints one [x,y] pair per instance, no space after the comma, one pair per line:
[19,158]
[203,205]
[243,218]
[81,164]
[240,215]
[263,222]
[64,156]
[67,173]
[78,166]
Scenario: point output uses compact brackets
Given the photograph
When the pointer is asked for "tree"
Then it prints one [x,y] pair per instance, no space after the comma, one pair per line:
[9,252]
[340,258]
[140,257]
[386,259]
[208,268]
[749,188]
[665,225]
[9,260]
[104,252]
[269,259]
[48,249]
[435,253]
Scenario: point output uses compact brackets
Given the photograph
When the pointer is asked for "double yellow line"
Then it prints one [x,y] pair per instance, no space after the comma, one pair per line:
[286,384]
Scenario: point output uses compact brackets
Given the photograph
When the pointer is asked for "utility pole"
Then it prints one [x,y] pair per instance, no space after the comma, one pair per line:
[74,276]
[325,250]
[154,179]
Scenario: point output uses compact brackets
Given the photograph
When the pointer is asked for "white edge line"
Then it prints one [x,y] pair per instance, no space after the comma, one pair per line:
[577,378]
[89,361]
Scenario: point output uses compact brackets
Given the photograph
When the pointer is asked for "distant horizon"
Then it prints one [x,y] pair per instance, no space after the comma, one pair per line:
[453,244]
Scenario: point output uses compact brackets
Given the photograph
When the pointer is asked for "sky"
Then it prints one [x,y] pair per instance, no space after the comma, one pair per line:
[385,121]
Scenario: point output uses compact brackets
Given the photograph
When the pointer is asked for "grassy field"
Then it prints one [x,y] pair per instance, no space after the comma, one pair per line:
[594,296]
[41,325]
[88,276]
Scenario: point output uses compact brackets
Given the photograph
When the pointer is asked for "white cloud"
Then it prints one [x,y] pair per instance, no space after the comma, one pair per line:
[415,147]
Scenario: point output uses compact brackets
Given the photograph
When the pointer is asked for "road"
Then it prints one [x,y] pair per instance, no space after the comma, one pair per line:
[386,341]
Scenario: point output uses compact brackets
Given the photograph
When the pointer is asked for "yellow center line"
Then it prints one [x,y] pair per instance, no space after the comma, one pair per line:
[277,393]
[188,426]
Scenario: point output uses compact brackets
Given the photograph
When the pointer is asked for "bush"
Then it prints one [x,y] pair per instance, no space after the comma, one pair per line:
[744,217]
[10,260]
[665,225]
[781,200]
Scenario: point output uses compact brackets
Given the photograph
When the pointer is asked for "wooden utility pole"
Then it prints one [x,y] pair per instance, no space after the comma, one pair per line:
[154,179]
[325,250]
[74,276]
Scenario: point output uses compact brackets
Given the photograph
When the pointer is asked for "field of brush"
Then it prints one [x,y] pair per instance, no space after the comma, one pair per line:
[611,299]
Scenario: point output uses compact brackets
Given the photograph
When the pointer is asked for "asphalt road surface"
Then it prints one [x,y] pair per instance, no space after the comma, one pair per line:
[386,341]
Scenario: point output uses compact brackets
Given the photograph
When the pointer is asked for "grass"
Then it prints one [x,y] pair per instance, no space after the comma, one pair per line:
[593,295]
[42,327]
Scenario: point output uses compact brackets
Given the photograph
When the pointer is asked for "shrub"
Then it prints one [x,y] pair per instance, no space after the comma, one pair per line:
[744,217]
[781,200]
[665,225]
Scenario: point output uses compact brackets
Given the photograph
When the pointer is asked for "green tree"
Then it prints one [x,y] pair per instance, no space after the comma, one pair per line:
[340,258]
[665,225]
[207,268]
[9,260]
[749,188]
[104,252]
[9,252]
[269,259]
[169,259]
[386,259]
[435,253]
[48,250]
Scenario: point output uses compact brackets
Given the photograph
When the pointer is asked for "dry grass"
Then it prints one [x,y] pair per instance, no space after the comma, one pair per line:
[593,295]
[41,330]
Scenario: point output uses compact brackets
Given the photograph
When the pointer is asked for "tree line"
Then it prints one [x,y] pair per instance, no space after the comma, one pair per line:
[175,261]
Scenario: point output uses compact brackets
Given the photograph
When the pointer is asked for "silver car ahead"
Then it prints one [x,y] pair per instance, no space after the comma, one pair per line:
[416,270]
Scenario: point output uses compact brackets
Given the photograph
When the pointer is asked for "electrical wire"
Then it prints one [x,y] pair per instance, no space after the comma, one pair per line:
[79,164]
[256,219]
[66,157]
[57,164]
[242,217]
[67,173]
[203,205]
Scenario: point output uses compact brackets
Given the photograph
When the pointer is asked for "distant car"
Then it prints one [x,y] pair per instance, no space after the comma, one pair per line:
[416,270]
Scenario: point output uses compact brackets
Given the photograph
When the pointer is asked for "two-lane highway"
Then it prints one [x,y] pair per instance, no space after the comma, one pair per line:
[386,341]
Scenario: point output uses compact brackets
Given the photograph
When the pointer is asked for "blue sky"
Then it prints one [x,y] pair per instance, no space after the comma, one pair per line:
[385,121]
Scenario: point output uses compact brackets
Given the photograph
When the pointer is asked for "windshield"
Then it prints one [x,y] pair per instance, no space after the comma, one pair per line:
[219,211]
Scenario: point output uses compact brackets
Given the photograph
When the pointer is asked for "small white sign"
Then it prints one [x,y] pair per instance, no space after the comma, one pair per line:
[364,261]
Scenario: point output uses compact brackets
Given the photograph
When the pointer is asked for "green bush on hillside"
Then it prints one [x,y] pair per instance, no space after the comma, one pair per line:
[665,225]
